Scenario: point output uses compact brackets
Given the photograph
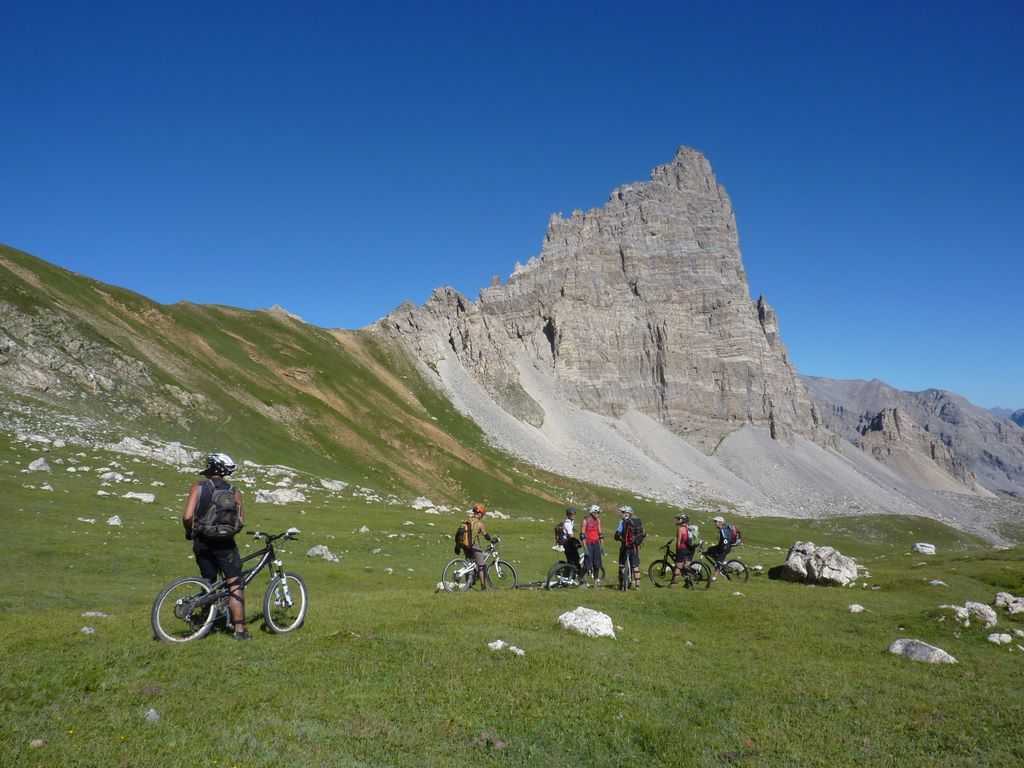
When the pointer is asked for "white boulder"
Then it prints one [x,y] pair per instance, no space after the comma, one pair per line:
[114,520]
[333,485]
[39,465]
[916,650]
[924,549]
[809,564]
[588,622]
[145,498]
[1000,638]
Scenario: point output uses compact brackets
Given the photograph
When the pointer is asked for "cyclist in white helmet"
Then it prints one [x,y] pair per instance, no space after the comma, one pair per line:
[216,555]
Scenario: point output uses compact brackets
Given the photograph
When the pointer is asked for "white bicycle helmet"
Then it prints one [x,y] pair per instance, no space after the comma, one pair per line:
[219,464]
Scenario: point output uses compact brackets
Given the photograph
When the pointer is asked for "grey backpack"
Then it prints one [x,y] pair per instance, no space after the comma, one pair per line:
[220,519]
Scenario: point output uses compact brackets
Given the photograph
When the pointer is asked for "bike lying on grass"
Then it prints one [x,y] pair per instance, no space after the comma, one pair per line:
[694,576]
[461,573]
[187,608]
[564,574]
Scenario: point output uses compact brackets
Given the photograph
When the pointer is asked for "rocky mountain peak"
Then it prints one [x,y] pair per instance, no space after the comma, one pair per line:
[640,305]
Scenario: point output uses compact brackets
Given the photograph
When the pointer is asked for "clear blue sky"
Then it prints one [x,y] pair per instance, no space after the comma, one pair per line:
[337,158]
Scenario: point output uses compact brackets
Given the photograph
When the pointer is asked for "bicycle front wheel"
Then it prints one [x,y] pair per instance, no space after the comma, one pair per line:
[182,611]
[501,575]
[735,570]
[660,573]
[700,576]
[560,576]
[285,603]
[458,575]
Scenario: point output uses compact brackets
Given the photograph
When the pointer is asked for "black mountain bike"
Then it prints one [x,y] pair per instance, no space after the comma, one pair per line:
[187,608]
[564,574]
[733,570]
[695,576]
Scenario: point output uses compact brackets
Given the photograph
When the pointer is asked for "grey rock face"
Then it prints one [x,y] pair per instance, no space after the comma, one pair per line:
[641,305]
[1017,417]
[980,442]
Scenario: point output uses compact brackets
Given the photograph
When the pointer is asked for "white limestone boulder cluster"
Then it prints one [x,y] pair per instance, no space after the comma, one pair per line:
[972,610]
[810,564]
[1012,605]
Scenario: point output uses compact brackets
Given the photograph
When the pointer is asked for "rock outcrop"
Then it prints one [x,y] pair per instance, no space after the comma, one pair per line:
[639,306]
[976,441]
[893,438]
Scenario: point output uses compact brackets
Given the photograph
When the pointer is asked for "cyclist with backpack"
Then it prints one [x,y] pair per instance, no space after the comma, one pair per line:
[213,514]
[630,534]
[593,541]
[728,537]
[686,541]
[571,544]
[476,529]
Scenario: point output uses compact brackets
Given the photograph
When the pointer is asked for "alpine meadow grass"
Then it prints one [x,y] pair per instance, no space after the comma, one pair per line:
[388,672]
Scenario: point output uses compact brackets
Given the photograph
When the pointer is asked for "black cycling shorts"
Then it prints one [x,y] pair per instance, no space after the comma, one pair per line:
[217,557]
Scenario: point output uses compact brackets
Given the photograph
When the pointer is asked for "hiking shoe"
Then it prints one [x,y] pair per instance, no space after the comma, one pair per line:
[243,635]
[597,583]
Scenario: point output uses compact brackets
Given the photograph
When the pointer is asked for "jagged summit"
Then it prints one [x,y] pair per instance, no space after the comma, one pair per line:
[640,305]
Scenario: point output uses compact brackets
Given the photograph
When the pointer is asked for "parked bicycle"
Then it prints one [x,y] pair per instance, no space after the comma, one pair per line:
[564,574]
[733,570]
[460,573]
[694,576]
[188,607]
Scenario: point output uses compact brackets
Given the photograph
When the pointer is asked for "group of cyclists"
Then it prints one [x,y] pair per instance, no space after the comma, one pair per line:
[584,545]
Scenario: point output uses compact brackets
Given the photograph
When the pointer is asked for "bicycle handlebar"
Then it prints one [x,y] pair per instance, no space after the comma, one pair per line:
[289,534]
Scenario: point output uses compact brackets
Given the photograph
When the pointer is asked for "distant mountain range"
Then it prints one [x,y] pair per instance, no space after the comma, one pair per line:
[628,355]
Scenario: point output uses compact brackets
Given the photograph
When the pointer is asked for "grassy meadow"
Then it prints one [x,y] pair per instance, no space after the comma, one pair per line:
[387,672]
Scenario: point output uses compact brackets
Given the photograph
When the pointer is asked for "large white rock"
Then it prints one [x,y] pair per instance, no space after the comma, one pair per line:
[145,498]
[39,465]
[1000,638]
[816,565]
[924,549]
[333,485]
[114,520]
[588,622]
[916,650]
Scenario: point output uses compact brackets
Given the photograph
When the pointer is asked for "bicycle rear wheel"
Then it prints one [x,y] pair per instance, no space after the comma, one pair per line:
[735,570]
[458,575]
[660,572]
[285,603]
[501,575]
[699,577]
[182,611]
[560,576]
[625,575]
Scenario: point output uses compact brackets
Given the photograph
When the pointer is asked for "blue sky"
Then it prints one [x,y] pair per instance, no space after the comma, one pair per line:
[338,158]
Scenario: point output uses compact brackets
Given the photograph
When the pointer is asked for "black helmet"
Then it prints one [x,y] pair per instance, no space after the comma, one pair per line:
[219,464]
[683,518]
[570,512]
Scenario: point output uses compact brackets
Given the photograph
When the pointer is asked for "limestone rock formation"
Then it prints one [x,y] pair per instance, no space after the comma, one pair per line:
[641,305]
